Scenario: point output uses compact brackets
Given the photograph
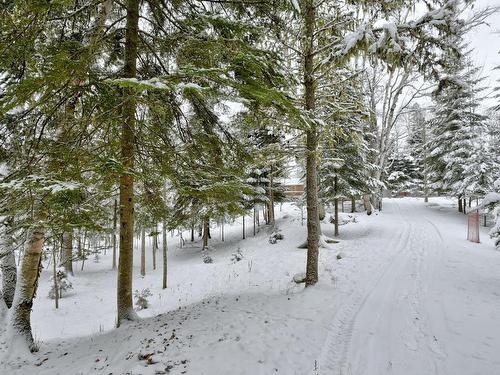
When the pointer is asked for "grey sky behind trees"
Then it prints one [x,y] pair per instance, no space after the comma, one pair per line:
[486,43]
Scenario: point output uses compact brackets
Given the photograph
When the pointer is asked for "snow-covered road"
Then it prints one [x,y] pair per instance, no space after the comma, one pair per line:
[431,306]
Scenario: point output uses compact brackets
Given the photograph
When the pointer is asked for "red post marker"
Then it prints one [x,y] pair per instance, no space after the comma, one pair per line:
[473,227]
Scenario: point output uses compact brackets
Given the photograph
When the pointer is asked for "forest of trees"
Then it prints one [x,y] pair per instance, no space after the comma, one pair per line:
[131,119]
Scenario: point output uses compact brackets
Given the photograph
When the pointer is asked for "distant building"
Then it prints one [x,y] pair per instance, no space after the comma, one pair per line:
[294,190]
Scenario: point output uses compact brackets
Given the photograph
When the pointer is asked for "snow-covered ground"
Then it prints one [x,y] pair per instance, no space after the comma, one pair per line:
[409,296]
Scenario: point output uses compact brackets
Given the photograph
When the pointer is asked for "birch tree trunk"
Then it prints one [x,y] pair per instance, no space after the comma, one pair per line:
[26,288]
[125,309]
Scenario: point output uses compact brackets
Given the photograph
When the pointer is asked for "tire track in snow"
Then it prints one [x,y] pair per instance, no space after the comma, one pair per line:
[334,354]
[394,325]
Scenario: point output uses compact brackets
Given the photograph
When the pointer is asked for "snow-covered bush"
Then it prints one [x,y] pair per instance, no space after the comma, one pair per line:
[274,237]
[63,283]
[237,256]
[492,202]
[207,259]
[141,298]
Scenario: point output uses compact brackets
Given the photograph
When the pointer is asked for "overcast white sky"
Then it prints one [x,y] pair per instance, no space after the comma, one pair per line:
[486,44]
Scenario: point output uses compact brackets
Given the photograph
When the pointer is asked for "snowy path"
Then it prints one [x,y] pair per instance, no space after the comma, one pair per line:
[431,308]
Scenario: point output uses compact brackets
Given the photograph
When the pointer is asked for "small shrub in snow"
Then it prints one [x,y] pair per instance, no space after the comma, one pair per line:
[141,298]
[237,256]
[207,259]
[63,283]
[275,237]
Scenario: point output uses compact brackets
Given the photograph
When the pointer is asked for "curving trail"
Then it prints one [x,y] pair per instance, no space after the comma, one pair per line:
[429,306]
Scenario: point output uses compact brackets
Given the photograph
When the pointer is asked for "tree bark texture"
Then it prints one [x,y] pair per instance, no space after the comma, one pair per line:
[313,230]
[67,240]
[27,286]
[125,309]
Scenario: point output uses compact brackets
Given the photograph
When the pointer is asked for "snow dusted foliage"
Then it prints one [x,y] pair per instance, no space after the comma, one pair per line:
[457,160]
[64,284]
[492,202]
[403,174]
[141,298]
[345,169]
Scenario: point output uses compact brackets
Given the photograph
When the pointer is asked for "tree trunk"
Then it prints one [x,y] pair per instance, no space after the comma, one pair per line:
[368,205]
[54,275]
[165,255]
[125,309]
[192,231]
[206,225]
[27,286]
[460,204]
[114,234]
[8,267]
[254,222]
[9,275]
[353,204]
[155,246]
[464,205]
[67,239]
[143,252]
[243,226]
[336,202]
[313,230]
[271,198]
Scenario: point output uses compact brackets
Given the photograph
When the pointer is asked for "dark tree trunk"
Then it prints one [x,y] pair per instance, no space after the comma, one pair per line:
[125,264]
[155,246]
[143,252]
[115,216]
[313,229]
[206,226]
[353,204]
[165,255]
[460,204]
[336,208]
[271,198]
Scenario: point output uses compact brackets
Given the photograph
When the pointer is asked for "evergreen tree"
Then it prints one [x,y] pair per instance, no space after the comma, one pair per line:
[454,156]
